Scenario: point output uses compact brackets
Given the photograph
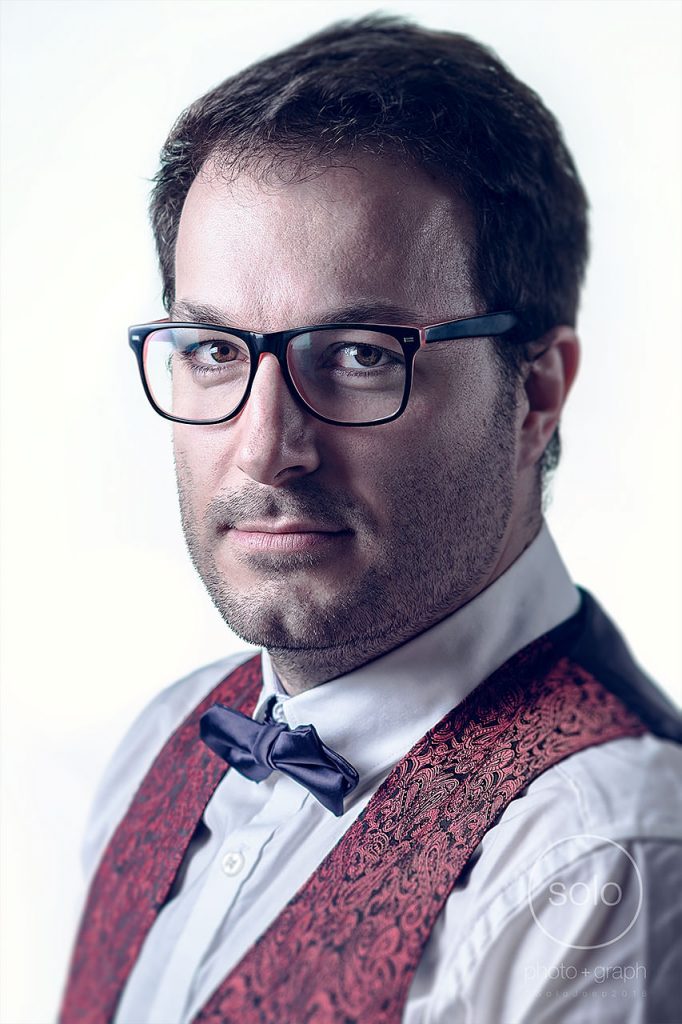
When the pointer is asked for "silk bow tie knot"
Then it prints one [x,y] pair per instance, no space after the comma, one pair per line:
[257,749]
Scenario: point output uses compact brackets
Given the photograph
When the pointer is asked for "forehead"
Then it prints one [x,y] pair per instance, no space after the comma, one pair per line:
[279,254]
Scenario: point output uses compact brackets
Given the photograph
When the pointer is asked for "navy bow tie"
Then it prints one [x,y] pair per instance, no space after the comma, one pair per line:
[256,750]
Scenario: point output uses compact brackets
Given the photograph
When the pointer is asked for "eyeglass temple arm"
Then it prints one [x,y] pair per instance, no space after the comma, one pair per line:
[489,324]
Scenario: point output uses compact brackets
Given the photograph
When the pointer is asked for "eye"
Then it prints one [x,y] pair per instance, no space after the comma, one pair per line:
[212,352]
[367,355]
[361,356]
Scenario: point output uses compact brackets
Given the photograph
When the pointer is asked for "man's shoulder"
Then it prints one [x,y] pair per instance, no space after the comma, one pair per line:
[627,788]
[624,790]
[605,820]
[172,704]
[597,645]
[141,744]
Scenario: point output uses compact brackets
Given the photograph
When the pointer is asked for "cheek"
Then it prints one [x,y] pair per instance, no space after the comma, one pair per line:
[197,461]
[377,466]
[454,397]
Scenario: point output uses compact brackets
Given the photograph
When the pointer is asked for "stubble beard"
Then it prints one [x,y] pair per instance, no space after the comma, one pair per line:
[448,526]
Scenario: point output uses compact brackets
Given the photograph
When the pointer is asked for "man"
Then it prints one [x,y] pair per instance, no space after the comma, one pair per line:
[452,794]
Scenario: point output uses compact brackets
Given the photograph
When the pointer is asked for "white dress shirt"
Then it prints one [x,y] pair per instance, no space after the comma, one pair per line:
[603,827]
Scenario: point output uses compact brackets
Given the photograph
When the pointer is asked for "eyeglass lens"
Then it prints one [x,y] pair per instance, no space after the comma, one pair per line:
[344,374]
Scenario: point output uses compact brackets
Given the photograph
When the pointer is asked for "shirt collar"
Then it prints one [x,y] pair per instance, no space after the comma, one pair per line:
[376,713]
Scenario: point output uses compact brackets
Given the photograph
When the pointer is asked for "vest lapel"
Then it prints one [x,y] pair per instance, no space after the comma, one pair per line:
[143,857]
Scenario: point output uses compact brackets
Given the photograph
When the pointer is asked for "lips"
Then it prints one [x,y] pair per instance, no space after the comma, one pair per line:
[285,536]
[294,526]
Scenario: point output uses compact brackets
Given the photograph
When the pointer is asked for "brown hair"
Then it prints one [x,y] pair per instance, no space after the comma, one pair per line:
[439,100]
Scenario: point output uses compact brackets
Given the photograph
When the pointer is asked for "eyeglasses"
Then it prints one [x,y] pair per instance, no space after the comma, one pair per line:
[351,375]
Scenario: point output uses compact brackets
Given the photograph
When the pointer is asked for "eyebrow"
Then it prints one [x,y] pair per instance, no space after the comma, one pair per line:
[358,312]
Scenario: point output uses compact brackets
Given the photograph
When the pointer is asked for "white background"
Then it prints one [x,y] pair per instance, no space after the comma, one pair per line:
[101,606]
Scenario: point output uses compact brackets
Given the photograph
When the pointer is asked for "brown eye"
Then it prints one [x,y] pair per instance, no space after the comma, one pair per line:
[222,353]
[367,355]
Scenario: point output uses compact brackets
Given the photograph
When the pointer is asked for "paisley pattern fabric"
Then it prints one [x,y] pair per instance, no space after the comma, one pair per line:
[346,947]
[142,859]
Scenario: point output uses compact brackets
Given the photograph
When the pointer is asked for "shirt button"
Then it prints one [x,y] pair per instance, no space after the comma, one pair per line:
[233,862]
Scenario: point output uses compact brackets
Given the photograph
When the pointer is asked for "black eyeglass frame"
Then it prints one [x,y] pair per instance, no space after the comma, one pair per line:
[411,338]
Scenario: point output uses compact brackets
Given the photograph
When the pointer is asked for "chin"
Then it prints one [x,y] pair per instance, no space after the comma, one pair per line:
[300,606]
[273,629]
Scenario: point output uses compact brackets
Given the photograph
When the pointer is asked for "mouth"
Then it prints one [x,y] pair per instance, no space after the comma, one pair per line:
[285,536]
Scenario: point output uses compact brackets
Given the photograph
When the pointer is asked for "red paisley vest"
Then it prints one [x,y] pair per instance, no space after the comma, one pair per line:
[346,947]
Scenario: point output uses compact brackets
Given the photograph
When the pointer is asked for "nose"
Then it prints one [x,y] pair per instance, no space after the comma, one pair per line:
[276,438]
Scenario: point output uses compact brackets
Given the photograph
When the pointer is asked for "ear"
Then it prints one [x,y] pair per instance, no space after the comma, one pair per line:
[547,383]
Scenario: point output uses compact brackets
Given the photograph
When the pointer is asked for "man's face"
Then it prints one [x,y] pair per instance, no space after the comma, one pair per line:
[341,542]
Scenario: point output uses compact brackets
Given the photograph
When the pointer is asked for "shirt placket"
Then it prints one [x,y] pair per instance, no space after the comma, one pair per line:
[182,990]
